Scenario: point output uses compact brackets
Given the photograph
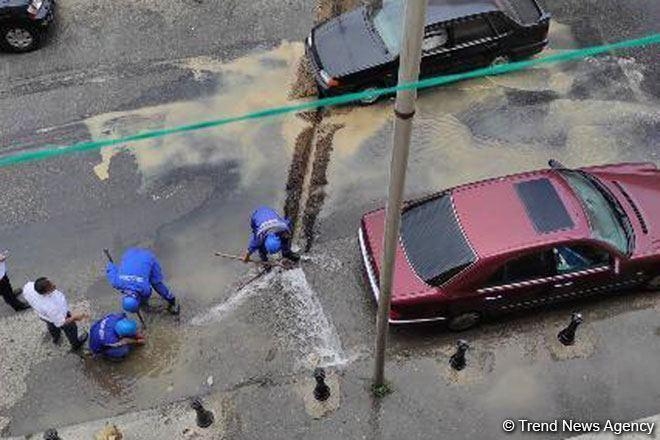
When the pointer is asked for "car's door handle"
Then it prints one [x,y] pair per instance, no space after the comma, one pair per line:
[568,284]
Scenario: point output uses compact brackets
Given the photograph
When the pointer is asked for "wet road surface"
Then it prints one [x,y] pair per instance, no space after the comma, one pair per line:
[187,196]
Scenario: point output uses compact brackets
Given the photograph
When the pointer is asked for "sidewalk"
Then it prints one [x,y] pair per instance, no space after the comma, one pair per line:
[173,421]
[178,420]
[429,401]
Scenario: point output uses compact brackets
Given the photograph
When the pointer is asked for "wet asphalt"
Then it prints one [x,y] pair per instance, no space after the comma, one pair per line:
[187,196]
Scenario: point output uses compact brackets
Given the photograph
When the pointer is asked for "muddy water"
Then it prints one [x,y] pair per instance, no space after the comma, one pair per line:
[495,126]
[241,335]
[245,164]
[463,132]
[246,84]
[236,168]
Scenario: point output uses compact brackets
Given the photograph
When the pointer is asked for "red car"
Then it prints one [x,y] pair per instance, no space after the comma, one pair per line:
[519,242]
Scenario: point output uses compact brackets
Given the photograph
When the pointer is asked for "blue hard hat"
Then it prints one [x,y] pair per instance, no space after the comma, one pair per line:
[126,327]
[273,243]
[130,304]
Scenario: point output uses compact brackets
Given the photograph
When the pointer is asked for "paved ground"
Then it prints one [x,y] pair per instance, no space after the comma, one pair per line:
[188,196]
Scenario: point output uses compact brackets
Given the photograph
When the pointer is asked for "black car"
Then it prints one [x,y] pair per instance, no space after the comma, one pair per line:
[359,50]
[23,23]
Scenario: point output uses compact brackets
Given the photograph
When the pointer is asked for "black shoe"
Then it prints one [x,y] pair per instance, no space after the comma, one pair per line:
[292,256]
[22,306]
[173,308]
[81,341]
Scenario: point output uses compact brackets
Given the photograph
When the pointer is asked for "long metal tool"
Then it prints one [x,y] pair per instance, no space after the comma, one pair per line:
[404,110]
[259,263]
[106,251]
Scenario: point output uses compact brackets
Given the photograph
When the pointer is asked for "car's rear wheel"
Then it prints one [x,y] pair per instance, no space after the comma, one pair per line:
[464,321]
[500,60]
[654,283]
[369,99]
[18,38]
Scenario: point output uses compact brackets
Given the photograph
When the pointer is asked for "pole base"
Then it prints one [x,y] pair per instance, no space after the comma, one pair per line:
[322,393]
[565,338]
[457,362]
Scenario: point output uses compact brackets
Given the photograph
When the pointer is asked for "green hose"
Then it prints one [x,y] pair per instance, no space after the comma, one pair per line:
[52,151]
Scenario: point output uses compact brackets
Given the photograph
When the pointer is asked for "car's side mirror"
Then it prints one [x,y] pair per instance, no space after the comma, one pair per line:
[556,165]
[617,266]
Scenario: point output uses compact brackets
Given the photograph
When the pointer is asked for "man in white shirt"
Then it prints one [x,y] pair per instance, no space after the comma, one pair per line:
[6,290]
[51,306]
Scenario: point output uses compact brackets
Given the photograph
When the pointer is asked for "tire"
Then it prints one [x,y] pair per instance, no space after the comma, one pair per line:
[19,38]
[371,100]
[500,60]
[464,321]
[654,283]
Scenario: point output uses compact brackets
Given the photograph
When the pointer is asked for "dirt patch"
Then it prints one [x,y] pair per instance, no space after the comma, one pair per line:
[304,85]
[308,177]
[324,137]
[313,146]
[326,9]
[297,171]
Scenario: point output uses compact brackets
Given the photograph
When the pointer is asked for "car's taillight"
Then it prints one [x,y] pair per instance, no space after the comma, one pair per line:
[394,315]
[34,8]
[328,80]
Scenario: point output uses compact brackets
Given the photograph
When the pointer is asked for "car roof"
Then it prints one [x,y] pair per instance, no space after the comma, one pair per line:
[445,10]
[518,212]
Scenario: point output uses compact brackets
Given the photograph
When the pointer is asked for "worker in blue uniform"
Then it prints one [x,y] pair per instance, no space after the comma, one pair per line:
[114,335]
[139,272]
[271,234]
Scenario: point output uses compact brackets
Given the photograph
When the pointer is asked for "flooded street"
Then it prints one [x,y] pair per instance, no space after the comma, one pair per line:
[255,339]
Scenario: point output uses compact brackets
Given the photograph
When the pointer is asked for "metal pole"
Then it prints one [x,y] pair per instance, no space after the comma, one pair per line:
[404,110]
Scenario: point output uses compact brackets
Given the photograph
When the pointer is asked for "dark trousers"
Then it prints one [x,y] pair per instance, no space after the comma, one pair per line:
[8,294]
[70,331]
[286,248]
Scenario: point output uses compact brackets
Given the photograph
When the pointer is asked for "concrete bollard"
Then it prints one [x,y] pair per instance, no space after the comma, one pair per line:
[51,434]
[204,417]
[457,360]
[567,335]
[321,390]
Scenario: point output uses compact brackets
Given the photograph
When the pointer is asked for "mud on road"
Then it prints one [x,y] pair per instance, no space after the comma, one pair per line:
[197,192]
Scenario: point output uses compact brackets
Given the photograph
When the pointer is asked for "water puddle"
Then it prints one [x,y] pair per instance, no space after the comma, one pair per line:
[483,128]
[151,361]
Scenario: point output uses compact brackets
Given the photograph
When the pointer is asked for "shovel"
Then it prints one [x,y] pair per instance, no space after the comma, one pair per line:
[285,264]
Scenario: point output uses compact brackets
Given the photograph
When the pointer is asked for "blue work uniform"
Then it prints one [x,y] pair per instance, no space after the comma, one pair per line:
[138,272]
[266,221]
[102,337]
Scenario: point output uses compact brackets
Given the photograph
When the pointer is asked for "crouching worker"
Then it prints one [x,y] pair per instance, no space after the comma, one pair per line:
[270,234]
[139,272]
[114,335]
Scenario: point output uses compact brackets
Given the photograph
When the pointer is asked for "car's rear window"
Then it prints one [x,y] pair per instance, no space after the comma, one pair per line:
[433,240]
